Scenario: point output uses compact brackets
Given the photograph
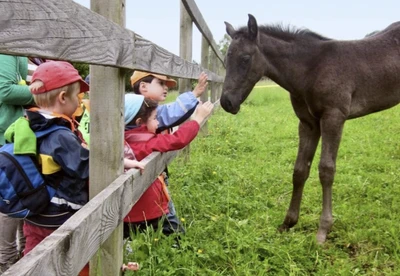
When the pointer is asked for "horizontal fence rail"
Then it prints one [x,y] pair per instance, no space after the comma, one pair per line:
[72,245]
[65,30]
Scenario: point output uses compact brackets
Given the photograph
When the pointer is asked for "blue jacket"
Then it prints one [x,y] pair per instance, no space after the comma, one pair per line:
[65,163]
[175,113]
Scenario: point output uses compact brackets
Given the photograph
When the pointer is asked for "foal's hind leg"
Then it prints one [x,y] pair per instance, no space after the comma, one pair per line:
[331,132]
[309,134]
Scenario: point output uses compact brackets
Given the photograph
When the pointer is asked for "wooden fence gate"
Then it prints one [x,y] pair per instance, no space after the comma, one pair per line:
[65,30]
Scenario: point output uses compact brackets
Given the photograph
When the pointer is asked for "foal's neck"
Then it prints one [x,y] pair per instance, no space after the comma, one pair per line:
[287,62]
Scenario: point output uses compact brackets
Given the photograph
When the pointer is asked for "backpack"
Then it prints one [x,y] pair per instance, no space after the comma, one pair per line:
[23,191]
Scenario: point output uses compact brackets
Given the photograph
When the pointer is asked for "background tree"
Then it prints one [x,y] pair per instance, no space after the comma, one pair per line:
[224,44]
[82,68]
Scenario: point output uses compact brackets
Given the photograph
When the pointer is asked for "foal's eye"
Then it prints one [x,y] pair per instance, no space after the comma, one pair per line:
[245,59]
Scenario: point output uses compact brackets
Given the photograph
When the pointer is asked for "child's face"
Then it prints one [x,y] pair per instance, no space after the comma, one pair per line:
[157,90]
[152,122]
[71,103]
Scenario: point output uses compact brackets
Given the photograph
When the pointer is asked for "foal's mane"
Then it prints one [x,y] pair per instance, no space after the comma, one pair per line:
[286,33]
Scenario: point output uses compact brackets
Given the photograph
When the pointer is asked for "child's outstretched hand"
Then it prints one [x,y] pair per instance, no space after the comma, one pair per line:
[203,111]
[201,85]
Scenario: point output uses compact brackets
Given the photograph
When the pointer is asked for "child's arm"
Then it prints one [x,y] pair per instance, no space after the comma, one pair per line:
[10,91]
[67,151]
[203,111]
[129,164]
[170,115]
[185,133]
[201,85]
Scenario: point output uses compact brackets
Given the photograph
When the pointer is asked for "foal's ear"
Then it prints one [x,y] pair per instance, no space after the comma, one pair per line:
[253,27]
[229,29]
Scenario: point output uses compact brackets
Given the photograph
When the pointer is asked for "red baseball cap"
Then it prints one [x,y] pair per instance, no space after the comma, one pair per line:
[56,74]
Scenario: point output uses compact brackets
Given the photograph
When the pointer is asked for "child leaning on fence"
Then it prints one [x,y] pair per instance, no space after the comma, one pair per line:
[63,157]
[169,115]
[141,125]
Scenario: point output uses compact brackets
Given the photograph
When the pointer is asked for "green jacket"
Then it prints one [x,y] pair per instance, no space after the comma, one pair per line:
[13,96]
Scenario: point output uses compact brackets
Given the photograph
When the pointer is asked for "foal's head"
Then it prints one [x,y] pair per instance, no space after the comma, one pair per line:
[243,63]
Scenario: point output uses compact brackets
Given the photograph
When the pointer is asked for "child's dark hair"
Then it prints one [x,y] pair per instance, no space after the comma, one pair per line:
[147,79]
[148,106]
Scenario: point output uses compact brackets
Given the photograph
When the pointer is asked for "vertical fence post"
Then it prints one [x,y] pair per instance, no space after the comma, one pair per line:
[205,48]
[213,85]
[220,71]
[107,87]
[185,52]
[185,45]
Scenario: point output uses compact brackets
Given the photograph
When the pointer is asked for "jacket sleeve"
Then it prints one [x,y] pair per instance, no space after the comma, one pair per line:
[11,92]
[67,151]
[175,141]
[168,114]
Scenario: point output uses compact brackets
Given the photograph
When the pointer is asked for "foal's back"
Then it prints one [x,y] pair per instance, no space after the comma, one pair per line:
[365,71]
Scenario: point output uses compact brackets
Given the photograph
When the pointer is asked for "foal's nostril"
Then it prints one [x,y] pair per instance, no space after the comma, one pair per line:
[226,103]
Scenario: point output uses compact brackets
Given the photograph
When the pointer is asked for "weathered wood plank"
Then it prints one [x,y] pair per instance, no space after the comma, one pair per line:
[205,58]
[70,247]
[65,30]
[185,44]
[107,123]
[201,24]
[213,86]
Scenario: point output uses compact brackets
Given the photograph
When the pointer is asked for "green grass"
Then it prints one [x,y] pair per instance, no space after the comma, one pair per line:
[234,191]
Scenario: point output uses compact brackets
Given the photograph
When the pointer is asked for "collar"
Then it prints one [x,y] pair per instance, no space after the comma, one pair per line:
[51,115]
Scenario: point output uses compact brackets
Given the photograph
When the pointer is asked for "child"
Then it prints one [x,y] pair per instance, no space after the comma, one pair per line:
[155,87]
[142,124]
[14,95]
[82,113]
[65,162]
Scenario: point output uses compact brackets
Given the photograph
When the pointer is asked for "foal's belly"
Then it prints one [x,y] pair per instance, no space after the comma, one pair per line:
[364,107]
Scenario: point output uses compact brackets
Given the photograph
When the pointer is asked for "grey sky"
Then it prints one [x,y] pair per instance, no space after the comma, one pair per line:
[158,20]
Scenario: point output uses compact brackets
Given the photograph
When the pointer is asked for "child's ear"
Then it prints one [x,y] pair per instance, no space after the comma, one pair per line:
[138,121]
[142,87]
[62,96]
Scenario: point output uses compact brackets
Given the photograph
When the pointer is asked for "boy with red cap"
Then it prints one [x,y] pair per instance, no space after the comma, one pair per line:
[65,160]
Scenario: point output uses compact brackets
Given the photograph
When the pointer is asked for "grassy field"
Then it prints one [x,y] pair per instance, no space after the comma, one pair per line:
[234,191]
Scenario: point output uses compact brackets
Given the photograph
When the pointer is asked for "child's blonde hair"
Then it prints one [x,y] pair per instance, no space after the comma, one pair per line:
[48,99]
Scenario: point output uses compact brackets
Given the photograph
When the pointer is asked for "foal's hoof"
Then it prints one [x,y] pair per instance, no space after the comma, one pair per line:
[321,237]
[283,228]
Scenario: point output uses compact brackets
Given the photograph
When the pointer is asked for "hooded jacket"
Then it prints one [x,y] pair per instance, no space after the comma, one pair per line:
[154,201]
[65,163]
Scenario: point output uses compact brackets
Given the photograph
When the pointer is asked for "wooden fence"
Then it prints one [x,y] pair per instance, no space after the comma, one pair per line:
[64,30]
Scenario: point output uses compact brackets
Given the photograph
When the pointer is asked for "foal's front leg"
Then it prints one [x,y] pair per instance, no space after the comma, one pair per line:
[331,132]
[309,134]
